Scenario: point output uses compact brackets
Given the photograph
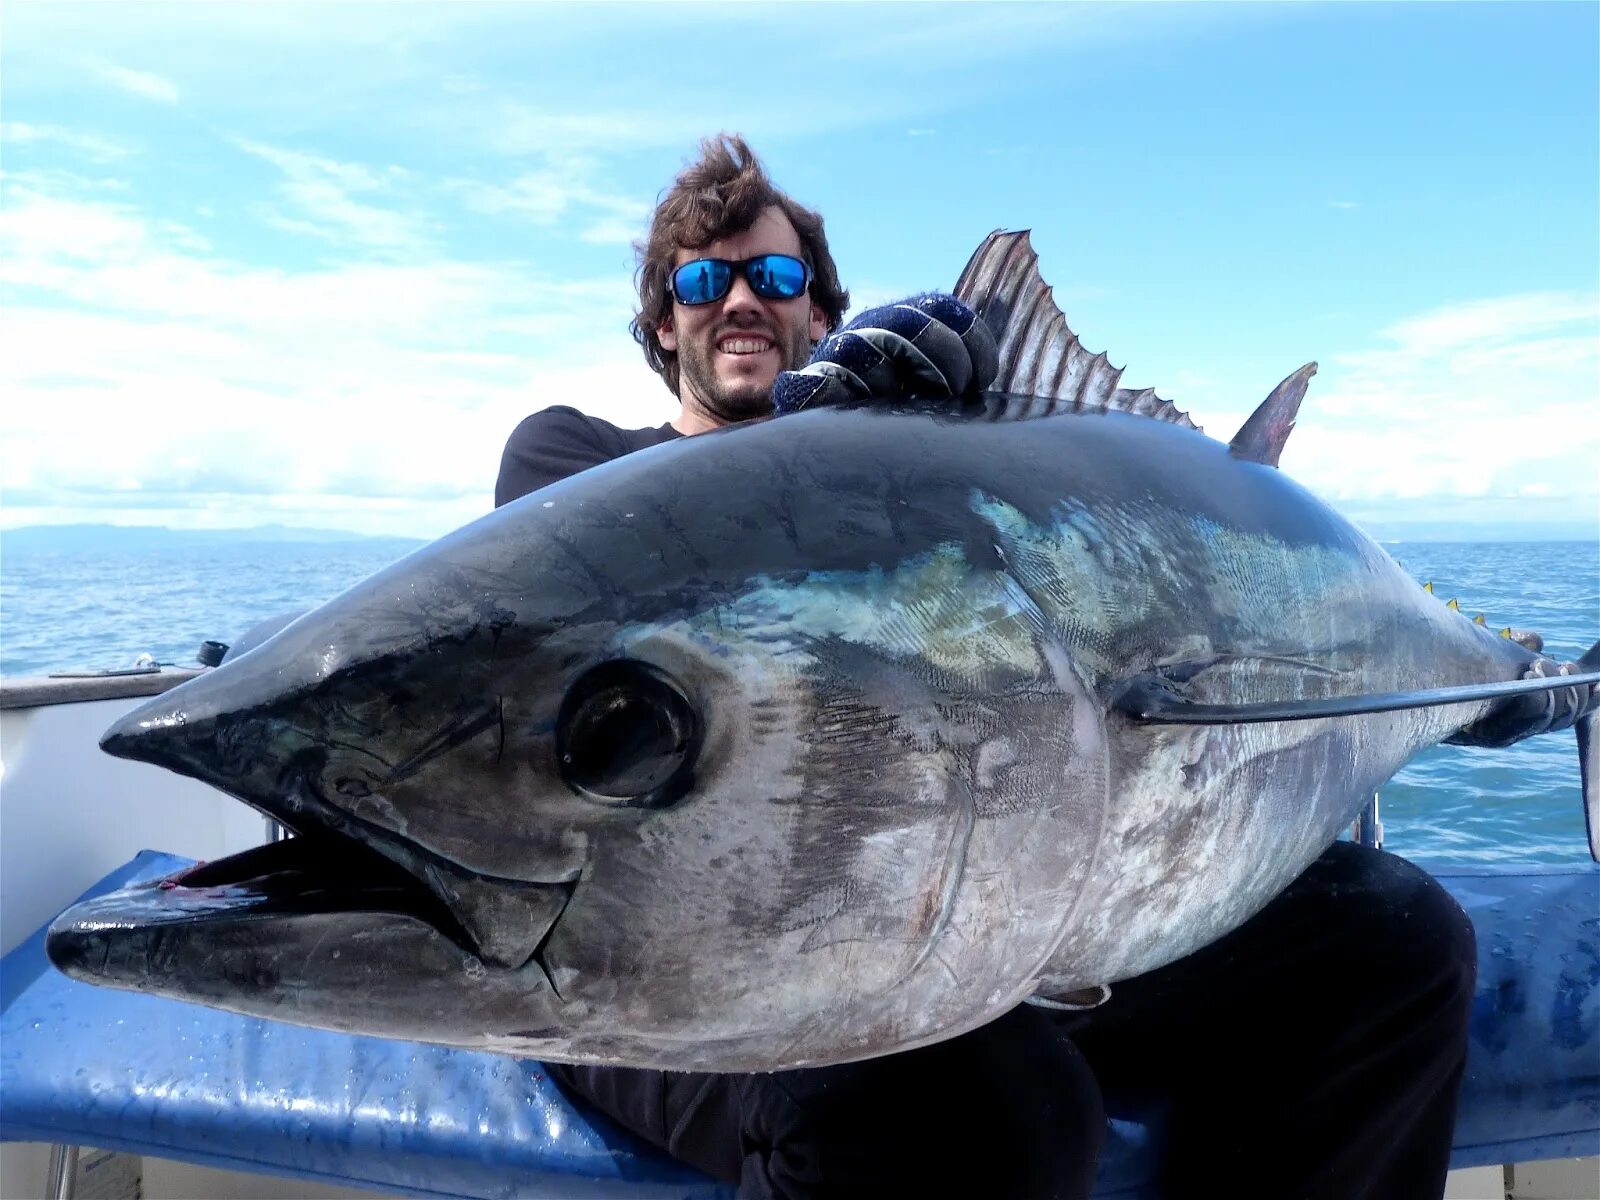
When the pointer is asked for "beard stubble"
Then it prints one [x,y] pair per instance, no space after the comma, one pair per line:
[742,400]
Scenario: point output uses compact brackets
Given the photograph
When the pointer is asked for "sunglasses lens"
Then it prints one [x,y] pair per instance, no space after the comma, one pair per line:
[777,276]
[701,281]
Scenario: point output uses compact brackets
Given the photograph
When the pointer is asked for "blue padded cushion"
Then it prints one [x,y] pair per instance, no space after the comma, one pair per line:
[124,1071]
[90,1066]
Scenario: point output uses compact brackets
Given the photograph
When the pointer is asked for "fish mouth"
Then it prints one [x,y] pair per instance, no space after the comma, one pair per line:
[307,875]
[264,899]
[338,861]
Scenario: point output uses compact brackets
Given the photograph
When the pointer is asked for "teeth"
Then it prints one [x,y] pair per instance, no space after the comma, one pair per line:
[743,345]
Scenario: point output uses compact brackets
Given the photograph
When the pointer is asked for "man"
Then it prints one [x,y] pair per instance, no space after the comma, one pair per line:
[718,356]
[1315,1052]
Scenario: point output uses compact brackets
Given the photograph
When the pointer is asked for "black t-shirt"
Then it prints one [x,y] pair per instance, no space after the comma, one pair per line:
[562,441]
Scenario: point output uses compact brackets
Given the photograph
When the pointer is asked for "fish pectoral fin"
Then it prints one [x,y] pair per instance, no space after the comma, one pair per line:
[1076,1000]
[1200,683]
[1262,436]
[1166,697]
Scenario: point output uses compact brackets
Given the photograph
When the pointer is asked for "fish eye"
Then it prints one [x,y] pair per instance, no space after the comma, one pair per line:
[627,736]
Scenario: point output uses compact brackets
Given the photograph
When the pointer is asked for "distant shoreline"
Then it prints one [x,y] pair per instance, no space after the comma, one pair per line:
[125,538]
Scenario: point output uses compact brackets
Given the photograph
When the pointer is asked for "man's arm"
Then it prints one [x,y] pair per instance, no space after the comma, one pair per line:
[545,447]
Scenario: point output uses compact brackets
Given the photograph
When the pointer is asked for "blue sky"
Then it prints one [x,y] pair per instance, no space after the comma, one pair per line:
[311,263]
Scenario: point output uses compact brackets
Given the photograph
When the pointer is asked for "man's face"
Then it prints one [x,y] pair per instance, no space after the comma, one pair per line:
[730,351]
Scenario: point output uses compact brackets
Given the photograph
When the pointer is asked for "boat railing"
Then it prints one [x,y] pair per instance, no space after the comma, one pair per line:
[41,691]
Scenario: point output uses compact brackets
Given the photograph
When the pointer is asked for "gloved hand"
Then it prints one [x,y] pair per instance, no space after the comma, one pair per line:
[1518,717]
[930,345]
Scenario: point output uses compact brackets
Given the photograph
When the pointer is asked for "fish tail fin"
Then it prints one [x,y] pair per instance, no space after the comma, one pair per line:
[1589,770]
[1591,659]
[1588,730]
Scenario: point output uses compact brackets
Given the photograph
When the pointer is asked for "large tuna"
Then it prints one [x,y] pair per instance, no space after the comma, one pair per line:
[811,739]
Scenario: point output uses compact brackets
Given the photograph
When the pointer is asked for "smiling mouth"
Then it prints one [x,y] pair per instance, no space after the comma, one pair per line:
[737,346]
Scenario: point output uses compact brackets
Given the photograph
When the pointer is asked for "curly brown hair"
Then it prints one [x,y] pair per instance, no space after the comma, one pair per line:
[724,193]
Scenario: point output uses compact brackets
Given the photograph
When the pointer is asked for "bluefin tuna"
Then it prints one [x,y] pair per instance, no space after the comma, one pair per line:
[812,739]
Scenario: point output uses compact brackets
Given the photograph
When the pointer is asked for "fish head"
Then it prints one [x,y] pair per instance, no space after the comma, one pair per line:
[605,778]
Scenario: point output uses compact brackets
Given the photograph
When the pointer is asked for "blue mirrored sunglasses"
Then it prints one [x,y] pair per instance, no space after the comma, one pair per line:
[770,276]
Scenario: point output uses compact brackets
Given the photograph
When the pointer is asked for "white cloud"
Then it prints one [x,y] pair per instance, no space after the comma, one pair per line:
[541,197]
[347,177]
[565,185]
[613,231]
[141,83]
[1497,322]
[146,376]
[45,229]
[323,191]
[1494,398]
[354,205]
[91,145]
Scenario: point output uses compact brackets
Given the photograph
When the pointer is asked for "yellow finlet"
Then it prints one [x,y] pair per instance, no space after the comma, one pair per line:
[1428,587]
[1453,603]
[1506,633]
[1478,620]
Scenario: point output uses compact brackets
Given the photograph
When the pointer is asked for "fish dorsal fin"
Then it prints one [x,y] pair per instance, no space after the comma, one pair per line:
[1261,438]
[1039,354]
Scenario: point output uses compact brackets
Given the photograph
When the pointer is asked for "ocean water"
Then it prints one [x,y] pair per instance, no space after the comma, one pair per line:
[63,610]
[1451,805]
[1458,805]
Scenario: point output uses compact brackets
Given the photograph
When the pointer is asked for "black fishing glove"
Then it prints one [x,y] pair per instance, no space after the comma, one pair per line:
[931,345]
[1518,717]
